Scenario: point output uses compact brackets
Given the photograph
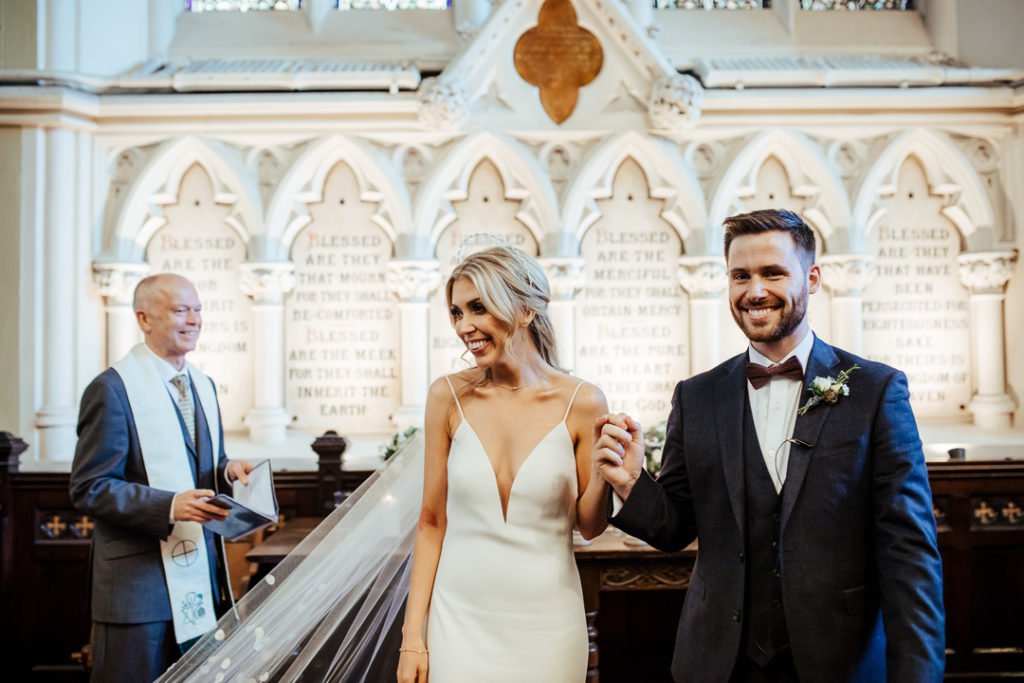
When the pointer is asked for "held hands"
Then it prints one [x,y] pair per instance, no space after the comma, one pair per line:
[412,664]
[191,506]
[239,469]
[618,454]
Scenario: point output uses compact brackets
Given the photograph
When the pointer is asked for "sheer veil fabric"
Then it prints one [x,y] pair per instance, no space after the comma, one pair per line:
[332,610]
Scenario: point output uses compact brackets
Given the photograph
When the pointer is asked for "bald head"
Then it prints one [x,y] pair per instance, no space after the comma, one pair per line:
[152,287]
[168,312]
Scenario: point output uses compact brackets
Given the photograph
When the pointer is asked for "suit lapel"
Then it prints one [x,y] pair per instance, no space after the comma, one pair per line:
[821,363]
[730,394]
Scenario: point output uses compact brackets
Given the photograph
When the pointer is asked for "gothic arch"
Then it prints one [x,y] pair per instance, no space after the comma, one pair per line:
[949,174]
[303,184]
[662,165]
[159,184]
[521,175]
[811,176]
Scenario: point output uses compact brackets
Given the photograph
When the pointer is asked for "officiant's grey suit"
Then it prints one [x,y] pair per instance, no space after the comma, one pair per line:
[108,482]
[851,545]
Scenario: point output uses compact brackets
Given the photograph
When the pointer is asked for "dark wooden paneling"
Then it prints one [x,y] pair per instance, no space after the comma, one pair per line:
[981,537]
[44,564]
[44,618]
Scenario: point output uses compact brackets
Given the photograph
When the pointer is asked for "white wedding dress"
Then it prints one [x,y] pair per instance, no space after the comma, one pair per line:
[507,603]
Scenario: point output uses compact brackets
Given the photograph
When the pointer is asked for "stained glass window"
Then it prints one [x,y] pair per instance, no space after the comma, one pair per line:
[848,5]
[241,5]
[712,4]
[394,4]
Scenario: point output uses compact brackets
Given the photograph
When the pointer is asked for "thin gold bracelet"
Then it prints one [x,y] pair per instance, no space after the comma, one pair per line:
[413,650]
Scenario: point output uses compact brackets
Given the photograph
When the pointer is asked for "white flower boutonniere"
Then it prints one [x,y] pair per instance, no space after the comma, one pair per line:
[828,389]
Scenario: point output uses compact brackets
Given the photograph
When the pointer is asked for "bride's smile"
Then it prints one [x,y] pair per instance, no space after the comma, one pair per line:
[484,335]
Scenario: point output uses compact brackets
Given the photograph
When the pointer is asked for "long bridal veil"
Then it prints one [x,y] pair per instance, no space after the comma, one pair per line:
[332,609]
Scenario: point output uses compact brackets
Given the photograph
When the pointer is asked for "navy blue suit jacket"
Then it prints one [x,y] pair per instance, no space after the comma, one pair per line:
[108,482]
[861,572]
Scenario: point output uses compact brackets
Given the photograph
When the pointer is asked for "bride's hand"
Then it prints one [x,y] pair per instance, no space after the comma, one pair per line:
[618,453]
[412,664]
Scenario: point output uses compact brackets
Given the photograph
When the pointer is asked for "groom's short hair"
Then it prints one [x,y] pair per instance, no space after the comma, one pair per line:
[770,220]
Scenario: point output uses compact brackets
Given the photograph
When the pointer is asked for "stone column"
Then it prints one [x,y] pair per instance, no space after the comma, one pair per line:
[703,278]
[412,282]
[266,284]
[566,278]
[57,412]
[985,275]
[847,276]
[116,282]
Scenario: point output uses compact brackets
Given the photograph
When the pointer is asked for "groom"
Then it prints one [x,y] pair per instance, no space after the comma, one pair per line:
[817,556]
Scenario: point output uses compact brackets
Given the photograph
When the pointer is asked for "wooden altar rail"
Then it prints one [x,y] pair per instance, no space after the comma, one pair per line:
[44,550]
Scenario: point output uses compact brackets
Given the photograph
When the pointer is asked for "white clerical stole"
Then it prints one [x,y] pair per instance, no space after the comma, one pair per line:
[186,569]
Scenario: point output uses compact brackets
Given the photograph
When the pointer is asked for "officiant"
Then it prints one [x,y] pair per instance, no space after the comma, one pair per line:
[150,453]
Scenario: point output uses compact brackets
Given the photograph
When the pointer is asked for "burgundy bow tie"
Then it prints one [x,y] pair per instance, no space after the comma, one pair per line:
[758,375]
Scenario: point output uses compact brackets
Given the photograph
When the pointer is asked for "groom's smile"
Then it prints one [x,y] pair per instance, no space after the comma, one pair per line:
[768,289]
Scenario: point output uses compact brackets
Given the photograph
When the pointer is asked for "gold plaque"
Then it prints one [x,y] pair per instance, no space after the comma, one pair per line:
[559,57]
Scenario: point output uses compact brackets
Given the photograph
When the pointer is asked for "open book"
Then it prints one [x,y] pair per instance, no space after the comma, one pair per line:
[252,506]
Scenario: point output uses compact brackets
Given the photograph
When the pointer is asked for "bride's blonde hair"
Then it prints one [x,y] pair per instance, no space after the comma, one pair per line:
[511,285]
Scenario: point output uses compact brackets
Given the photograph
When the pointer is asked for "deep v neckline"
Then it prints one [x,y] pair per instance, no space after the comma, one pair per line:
[504,503]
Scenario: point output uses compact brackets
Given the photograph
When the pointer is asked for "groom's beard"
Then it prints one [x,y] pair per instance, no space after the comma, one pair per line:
[790,319]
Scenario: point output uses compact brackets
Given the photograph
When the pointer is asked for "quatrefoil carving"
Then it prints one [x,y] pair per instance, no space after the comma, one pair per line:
[559,57]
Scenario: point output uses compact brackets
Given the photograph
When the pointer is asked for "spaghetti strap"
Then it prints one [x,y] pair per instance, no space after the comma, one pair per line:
[456,397]
[569,407]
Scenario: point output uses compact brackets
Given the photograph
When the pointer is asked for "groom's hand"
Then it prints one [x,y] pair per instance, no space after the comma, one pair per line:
[618,453]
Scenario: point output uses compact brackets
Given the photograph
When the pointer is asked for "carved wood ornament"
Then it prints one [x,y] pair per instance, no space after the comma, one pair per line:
[559,57]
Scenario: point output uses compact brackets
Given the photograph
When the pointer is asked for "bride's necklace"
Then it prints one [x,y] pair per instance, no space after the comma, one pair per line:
[517,388]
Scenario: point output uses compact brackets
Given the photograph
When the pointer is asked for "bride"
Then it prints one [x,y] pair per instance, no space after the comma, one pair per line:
[506,458]
[494,592]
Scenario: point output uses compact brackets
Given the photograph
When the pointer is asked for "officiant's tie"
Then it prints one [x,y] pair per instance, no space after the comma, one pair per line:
[758,375]
[188,413]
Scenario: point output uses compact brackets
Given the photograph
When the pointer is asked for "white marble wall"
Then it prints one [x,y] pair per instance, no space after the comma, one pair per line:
[107,188]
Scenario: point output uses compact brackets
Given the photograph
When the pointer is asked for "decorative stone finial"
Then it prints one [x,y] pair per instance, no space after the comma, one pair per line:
[676,102]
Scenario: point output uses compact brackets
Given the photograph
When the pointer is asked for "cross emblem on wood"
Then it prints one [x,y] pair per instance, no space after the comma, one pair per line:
[55,527]
[83,527]
[1012,513]
[559,57]
[984,514]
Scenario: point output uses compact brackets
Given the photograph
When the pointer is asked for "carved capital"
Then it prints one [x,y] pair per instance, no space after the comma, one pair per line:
[675,102]
[565,275]
[412,281]
[986,272]
[847,274]
[117,281]
[443,103]
[703,277]
[266,283]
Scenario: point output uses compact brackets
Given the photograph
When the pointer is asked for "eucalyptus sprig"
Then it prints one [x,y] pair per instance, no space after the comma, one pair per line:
[654,442]
[389,449]
[828,389]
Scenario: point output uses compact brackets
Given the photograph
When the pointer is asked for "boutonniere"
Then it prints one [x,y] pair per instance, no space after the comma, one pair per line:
[828,389]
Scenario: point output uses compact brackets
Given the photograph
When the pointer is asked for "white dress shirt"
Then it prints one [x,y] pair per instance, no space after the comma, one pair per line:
[774,407]
[168,372]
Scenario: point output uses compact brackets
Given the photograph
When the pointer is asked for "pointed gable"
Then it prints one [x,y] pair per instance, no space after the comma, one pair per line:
[493,81]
